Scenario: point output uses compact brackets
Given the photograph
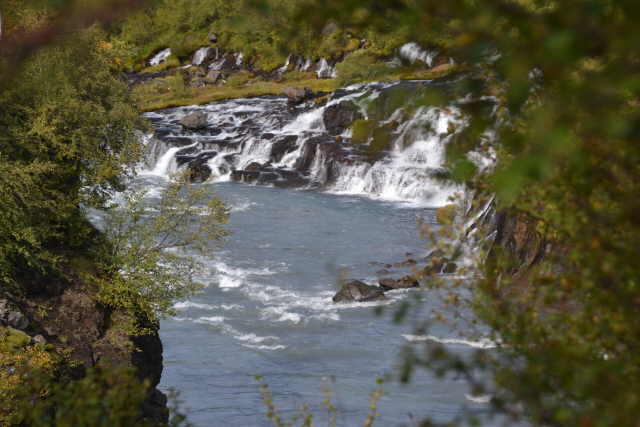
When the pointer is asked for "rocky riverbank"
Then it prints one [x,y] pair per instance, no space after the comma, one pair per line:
[58,327]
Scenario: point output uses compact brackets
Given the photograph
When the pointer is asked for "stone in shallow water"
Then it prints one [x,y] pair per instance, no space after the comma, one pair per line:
[357,291]
[389,284]
[195,120]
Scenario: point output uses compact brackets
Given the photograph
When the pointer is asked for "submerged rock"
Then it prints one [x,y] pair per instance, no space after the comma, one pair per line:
[357,291]
[195,120]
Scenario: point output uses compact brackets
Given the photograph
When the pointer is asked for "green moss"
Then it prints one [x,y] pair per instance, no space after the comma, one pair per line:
[171,62]
[362,130]
[12,340]
[240,79]
[149,99]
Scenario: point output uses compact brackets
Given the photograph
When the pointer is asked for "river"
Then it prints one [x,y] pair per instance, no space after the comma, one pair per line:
[266,309]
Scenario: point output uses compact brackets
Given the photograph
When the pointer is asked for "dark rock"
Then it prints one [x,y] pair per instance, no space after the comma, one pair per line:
[213,77]
[290,179]
[197,83]
[283,146]
[10,315]
[357,291]
[405,282]
[337,118]
[199,170]
[195,120]
[406,263]
[450,268]
[254,166]
[383,272]
[435,262]
[246,177]
[297,95]
[155,407]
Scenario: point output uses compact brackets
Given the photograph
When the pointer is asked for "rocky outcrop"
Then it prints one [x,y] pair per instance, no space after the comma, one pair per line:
[518,242]
[297,95]
[67,317]
[10,315]
[338,117]
[357,291]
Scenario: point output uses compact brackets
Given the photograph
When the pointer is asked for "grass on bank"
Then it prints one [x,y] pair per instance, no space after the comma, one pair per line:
[171,91]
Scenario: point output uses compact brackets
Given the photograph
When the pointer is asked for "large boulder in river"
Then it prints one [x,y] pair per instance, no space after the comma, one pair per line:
[194,121]
[297,95]
[357,291]
[199,170]
[338,117]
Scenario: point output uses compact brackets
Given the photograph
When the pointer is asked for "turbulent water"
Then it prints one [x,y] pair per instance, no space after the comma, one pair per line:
[322,210]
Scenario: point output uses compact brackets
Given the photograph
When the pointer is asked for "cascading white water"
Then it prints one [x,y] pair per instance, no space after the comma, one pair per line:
[248,130]
[160,57]
[326,71]
[412,52]
[167,163]
[200,55]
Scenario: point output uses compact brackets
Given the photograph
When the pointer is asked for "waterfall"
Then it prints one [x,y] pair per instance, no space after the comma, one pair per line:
[200,55]
[160,57]
[412,52]
[325,71]
[262,140]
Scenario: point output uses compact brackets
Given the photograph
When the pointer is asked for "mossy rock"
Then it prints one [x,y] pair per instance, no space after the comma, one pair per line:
[381,141]
[12,340]
[446,214]
[362,130]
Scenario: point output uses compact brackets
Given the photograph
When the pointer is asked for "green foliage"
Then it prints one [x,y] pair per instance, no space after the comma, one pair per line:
[304,418]
[26,369]
[102,398]
[566,86]
[146,260]
[361,66]
[66,139]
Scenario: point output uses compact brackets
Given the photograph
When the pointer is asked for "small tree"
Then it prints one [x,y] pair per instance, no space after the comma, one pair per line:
[146,253]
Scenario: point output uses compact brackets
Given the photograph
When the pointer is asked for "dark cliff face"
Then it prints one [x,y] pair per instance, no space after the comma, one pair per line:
[69,317]
[518,242]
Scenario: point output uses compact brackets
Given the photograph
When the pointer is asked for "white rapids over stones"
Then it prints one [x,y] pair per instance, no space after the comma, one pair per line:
[246,131]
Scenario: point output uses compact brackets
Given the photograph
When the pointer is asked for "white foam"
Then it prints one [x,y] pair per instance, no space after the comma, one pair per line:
[253,338]
[213,319]
[235,277]
[188,304]
[413,52]
[480,399]
[280,314]
[243,206]
[483,343]
[265,347]
[160,57]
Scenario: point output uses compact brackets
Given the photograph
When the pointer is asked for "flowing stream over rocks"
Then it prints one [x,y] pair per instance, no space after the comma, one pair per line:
[307,203]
